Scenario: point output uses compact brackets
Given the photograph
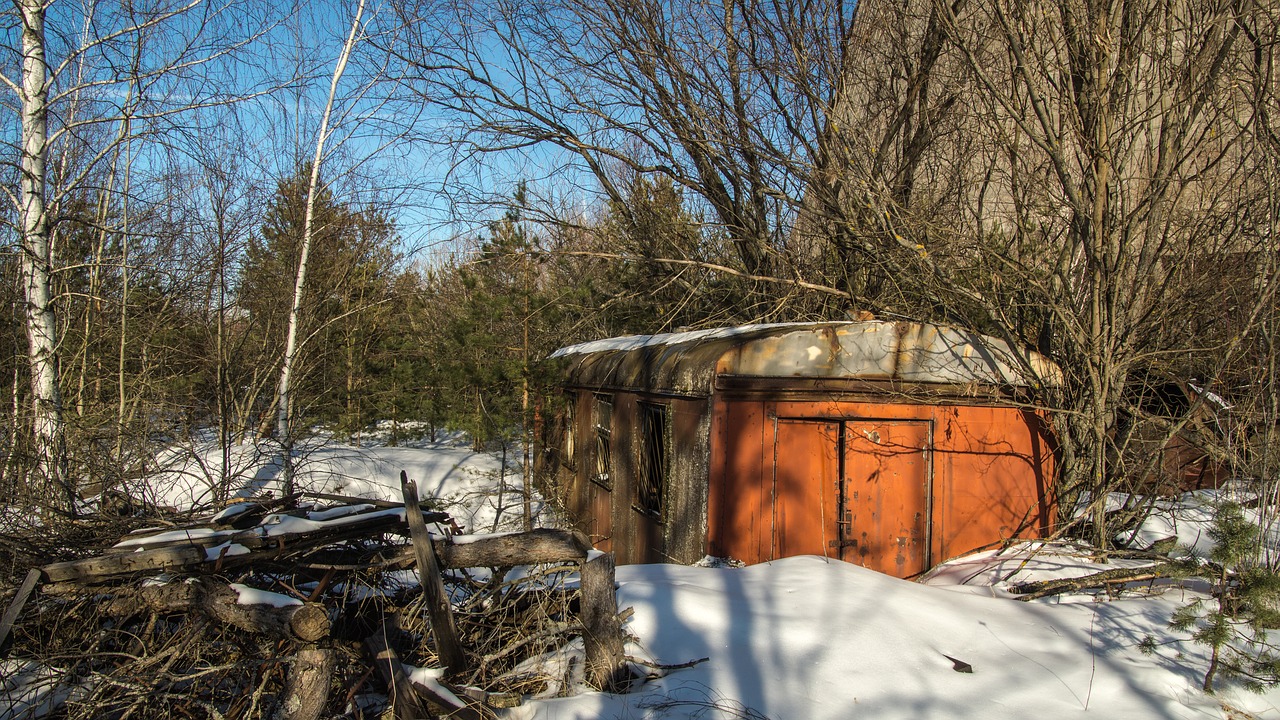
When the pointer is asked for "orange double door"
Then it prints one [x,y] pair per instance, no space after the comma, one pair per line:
[856,489]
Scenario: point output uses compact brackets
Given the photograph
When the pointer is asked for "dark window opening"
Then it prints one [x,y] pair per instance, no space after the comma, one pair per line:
[570,433]
[603,422]
[653,458]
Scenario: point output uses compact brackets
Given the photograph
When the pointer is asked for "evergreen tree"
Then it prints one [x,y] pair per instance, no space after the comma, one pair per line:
[1246,598]
[345,312]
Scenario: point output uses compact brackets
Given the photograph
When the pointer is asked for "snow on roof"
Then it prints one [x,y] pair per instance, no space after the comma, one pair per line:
[634,342]
[896,351]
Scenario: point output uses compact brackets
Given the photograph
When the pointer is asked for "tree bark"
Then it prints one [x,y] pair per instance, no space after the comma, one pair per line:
[307,622]
[543,545]
[51,481]
[602,631]
[308,689]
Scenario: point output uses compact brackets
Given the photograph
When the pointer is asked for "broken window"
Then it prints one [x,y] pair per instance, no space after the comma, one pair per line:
[653,459]
[603,422]
[570,436]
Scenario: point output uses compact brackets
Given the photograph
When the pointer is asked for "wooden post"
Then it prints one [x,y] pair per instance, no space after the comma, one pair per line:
[437,600]
[19,600]
[602,631]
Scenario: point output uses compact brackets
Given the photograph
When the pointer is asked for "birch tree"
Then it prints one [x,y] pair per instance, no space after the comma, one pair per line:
[35,249]
[284,392]
[103,66]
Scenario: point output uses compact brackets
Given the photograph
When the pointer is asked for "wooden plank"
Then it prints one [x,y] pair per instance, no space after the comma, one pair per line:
[437,600]
[96,569]
[538,546]
[601,630]
[404,700]
[16,605]
[353,500]
[171,555]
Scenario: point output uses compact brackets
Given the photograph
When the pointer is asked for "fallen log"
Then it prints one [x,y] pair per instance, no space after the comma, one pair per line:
[261,543]
[534,547]
[1044,588]
[307,622]
[252,545]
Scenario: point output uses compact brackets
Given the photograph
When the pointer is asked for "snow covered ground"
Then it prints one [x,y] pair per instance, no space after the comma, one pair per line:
[474,488]
[813,638]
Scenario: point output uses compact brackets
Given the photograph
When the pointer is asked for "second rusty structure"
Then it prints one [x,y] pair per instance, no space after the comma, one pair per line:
[892,445]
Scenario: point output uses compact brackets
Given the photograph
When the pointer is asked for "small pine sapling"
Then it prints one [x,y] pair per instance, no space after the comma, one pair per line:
[1247,595]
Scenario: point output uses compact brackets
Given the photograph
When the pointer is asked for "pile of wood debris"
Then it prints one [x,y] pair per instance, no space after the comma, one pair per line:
[312,606]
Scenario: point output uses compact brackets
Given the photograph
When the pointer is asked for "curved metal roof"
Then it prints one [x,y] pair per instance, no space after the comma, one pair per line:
[896,351]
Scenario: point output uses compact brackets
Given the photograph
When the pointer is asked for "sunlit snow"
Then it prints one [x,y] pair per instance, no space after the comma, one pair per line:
[813,638]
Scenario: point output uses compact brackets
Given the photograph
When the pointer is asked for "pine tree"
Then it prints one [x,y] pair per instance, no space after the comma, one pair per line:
[1246,597]
[352,269]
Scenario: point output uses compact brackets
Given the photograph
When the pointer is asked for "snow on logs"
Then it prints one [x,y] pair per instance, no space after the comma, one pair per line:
[348,535]
[256,611]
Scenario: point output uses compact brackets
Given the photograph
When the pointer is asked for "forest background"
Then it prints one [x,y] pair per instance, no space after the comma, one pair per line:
[231,220]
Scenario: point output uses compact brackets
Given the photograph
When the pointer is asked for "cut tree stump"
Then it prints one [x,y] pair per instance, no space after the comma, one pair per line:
[308,690]
[601,629]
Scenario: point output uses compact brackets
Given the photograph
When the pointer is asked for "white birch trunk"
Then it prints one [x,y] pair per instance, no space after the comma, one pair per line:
[42,332]
[284,399]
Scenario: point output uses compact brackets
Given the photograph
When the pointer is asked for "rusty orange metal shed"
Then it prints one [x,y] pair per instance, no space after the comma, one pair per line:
[893,445]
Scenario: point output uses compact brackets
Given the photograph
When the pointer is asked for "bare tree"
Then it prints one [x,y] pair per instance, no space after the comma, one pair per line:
[284,399]
[1119,159]
[727,99]
[1053,173]
[158,60]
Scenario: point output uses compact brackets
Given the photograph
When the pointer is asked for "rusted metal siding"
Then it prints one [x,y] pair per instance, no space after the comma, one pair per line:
[994,469]
[892,445]
[801,487]
[608,511]
[886,495]
[739,496]
[979,475]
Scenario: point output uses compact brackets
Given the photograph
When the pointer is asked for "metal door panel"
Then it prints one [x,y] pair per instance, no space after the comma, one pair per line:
[885,509]
[806,471]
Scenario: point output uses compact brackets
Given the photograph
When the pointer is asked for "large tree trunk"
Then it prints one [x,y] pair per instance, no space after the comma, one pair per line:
[50,478]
